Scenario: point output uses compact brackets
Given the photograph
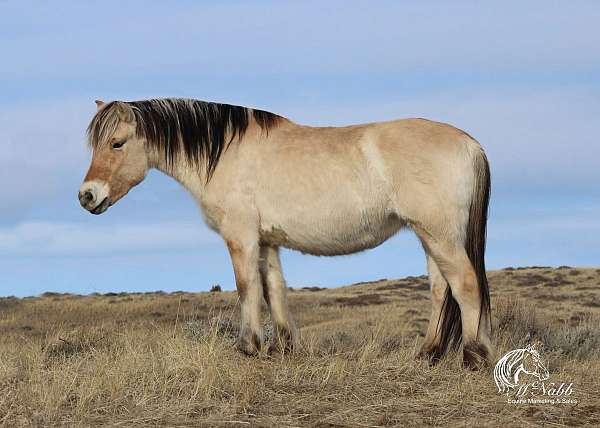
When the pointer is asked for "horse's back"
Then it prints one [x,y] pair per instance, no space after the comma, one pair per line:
[403,160]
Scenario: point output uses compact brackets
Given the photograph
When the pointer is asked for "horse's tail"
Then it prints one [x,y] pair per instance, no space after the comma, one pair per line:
[476,230]
[451,326]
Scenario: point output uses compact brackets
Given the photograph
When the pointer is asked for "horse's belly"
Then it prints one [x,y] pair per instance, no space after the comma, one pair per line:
[332,236]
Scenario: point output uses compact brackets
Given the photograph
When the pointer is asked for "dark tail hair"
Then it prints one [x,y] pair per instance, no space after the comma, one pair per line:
[451,323]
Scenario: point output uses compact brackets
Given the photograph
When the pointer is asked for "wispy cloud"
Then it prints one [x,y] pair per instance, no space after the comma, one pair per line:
[296,37]
[73,239]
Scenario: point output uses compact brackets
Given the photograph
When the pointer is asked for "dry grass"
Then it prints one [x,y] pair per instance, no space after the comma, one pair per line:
[158,359]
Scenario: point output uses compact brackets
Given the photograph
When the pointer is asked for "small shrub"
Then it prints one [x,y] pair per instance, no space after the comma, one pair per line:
[8,302]
[51,294]
[202,329]
[313,288]
[337,343]
[520,325]
[74,343]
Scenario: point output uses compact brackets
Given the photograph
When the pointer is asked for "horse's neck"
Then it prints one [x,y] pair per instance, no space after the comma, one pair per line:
[190,178]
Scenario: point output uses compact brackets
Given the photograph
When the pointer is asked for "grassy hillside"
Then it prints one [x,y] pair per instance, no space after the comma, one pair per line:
[169,359]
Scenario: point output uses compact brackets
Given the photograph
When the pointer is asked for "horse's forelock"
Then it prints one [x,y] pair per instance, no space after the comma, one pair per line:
[103,125]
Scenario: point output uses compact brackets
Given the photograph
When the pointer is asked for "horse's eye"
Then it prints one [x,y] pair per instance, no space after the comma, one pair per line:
[117,145]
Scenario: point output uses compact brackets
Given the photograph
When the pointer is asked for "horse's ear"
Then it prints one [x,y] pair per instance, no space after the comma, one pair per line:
[100,104]
[125,112]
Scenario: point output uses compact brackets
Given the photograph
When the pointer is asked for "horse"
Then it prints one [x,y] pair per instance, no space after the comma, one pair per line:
[513,364]
[263,182]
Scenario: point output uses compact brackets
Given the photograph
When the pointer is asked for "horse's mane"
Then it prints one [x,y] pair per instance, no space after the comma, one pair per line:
[198,130]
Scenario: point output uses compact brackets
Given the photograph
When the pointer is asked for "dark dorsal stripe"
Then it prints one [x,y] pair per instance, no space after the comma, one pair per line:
[198,130]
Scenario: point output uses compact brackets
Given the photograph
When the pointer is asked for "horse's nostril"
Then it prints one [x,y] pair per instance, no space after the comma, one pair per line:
[86,197]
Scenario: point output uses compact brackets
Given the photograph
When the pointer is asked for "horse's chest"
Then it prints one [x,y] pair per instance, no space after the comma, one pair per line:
[213,216]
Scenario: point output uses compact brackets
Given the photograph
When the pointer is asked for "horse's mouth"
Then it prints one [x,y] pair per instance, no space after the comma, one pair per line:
[101,207]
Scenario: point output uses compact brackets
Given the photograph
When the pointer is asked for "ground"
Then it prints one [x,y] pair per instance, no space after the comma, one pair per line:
[169,359]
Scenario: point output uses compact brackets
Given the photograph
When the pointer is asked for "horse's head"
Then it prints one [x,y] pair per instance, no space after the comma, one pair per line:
[533,364]
[119,160]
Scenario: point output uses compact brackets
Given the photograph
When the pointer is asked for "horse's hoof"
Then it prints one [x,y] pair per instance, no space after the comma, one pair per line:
[475,355]
[285,341]
[250,343]
[431,354]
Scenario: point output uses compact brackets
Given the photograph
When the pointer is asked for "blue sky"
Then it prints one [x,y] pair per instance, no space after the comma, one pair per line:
[522,77]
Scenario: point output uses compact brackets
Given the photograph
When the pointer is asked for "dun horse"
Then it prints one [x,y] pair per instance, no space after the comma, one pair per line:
[264,182]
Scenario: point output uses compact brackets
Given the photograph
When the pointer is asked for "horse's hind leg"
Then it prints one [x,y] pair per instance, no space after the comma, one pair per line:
[431,349]
[454,264]
[275,293]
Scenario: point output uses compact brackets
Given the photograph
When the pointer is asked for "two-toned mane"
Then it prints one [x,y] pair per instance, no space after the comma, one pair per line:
[264,182]
[182,128]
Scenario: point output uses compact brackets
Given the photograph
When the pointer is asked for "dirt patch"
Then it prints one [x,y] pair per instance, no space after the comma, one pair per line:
[362,300]
[531,280]
[558,281]
[554,297]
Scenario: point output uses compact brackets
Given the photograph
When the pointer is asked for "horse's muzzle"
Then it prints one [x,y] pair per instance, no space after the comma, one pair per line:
[88,200]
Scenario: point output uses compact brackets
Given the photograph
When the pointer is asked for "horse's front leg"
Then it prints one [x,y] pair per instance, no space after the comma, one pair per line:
[244,256]
[285,333]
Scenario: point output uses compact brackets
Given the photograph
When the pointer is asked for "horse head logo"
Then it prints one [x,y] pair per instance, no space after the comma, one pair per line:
[513,364]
